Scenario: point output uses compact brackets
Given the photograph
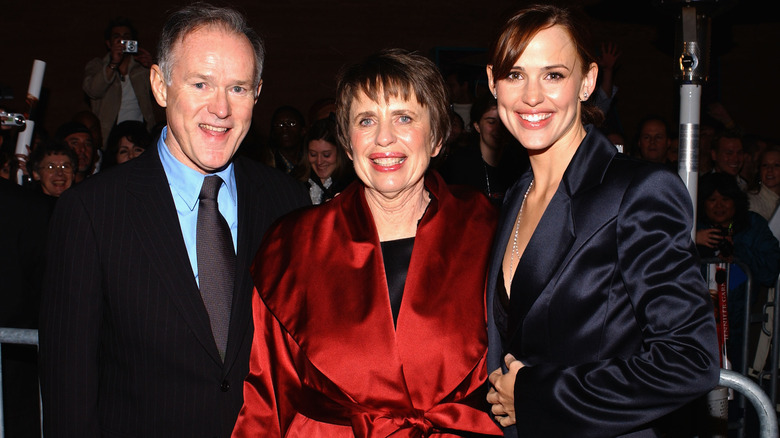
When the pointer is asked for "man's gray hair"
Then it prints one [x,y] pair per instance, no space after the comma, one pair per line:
[196,16]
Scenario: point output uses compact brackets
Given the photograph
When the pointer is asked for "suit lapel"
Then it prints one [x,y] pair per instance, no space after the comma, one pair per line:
[154,219]
[249,191]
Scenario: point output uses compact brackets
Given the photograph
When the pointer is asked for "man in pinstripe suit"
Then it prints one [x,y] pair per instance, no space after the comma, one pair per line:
[127,348]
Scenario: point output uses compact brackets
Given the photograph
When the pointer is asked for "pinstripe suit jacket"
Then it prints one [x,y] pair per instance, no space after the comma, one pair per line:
[126,345]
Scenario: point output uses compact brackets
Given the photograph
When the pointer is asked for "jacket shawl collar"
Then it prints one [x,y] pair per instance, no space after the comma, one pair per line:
[334,301]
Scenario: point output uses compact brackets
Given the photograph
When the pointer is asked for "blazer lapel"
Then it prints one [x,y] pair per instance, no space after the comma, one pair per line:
[542,258]
[249,225]
[549,248]
[513,201]
[155,221]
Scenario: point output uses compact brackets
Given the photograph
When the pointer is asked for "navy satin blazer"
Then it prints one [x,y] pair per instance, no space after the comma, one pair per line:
[608,310]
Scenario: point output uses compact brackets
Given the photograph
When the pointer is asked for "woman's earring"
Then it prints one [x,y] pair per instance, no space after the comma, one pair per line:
[495,95]
[585,96]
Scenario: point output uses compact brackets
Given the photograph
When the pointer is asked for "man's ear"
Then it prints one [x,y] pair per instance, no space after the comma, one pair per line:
[159,87]
[259,87]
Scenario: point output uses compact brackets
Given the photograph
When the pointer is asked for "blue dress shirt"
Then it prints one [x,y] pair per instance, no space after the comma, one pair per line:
[185,184]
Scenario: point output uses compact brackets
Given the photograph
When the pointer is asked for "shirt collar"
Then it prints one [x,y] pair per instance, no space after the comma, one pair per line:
[186,182]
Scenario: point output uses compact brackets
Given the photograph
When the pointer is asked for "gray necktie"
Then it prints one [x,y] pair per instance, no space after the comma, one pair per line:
[216,261]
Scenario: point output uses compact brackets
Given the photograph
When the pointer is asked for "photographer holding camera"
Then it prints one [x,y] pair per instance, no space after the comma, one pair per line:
[727,230]
[118,83]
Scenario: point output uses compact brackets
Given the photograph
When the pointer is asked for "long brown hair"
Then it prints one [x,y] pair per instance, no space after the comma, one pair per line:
[522,27]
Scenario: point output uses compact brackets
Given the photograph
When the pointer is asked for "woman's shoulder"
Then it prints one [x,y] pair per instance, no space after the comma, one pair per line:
[641,173]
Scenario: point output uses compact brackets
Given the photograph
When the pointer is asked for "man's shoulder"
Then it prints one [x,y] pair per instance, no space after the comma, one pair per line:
[258,174]
[117,179]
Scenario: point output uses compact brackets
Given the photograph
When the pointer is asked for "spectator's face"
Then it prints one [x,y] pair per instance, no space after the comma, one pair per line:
[119,33]
[81,143]
[55,173]
[770,171]
[729,157]
[126,151]
[322,158]
[653,141]
[288,130]
[210,98]
[93,124]
[720,210]
[489,129]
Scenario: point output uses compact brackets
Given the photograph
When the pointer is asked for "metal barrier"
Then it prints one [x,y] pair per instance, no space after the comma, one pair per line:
[729,379]
[23,337]
[740,424]
[767,416]
[775,362]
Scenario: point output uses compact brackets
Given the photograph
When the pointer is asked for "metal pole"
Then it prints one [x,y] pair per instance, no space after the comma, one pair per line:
[16,336]
[688,161]
[692,77]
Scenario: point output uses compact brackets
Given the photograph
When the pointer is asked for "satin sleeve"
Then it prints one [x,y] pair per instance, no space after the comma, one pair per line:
[268,410]
[678,357]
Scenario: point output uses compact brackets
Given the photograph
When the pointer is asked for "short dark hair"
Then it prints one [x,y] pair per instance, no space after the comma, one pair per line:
[654,118]
[134,130]
[120,22]
[398,73]
[51,148]
[288,109]
[69,128]
[199,15]
[726,185]
[482,105]
[724,133]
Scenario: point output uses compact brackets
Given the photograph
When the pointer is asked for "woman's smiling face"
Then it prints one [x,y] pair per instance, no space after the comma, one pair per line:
[539,101]
[390,142]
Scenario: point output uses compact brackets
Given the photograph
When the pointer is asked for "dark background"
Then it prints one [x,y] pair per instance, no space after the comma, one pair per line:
[309,40]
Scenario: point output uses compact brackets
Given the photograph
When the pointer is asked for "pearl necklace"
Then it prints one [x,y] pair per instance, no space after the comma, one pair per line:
[515,250]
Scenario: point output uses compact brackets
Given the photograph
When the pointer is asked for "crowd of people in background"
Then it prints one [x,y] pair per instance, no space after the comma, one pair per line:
[738,189]
[122,122]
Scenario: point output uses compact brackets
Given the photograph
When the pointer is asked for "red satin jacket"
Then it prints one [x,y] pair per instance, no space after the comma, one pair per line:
[327,361]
